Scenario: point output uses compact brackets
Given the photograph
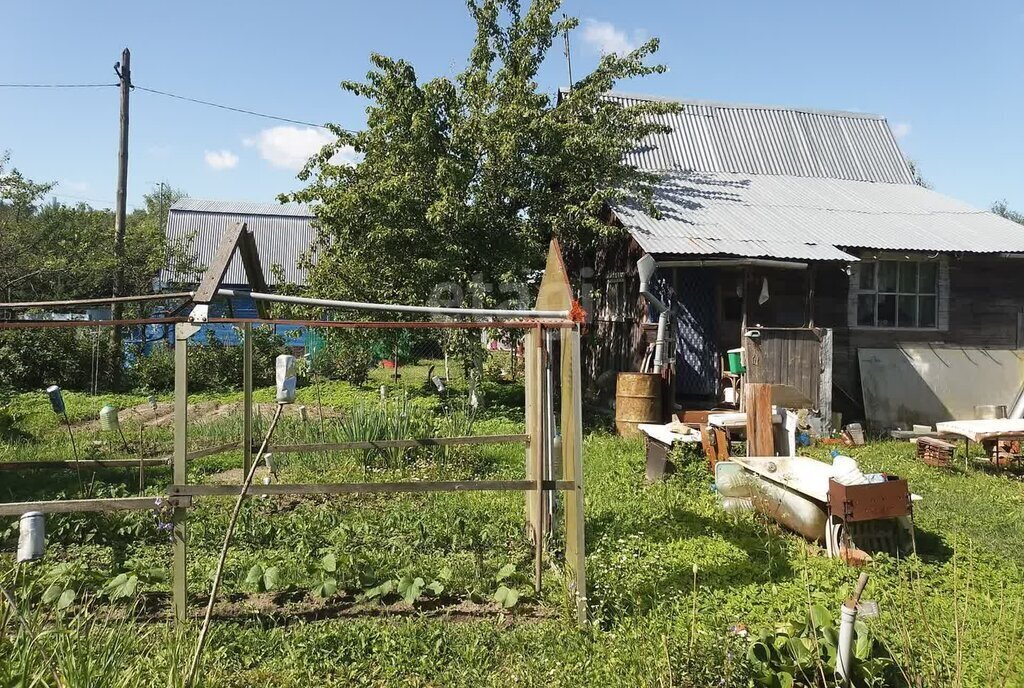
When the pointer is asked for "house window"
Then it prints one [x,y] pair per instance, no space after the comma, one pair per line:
[614,303]
[899,293]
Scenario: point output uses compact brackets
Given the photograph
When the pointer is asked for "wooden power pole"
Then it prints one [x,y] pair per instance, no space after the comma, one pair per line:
[124,72]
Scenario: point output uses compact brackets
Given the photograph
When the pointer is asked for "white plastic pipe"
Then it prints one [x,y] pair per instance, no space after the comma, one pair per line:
[645,268]
[659,343]
[844,653]
[398,308]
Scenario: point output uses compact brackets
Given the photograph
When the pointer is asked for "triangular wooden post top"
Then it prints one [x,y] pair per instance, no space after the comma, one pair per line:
[555,291]
[238,236]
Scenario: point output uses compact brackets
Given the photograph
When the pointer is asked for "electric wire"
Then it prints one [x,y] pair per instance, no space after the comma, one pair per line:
[233,109]
[57,85]
[177,96]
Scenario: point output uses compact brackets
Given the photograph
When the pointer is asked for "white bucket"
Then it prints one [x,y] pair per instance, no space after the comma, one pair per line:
[31,536]
[729,395]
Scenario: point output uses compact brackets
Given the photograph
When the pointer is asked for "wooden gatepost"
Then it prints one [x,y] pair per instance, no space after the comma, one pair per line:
[542,464]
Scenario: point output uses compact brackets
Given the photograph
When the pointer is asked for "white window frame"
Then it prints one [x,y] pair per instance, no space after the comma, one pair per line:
[870,260]
[613,306]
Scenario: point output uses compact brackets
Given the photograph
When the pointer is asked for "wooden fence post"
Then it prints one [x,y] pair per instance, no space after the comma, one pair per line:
[182,332]
[572,462]
[760,440]
[246,398]
[534,387]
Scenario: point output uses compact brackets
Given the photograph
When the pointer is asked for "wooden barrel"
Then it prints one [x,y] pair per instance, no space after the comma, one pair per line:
[637,400]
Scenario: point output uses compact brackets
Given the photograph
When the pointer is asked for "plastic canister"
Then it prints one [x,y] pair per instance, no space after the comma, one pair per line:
[108,419]
[286,381]
[31,536]
[56,400]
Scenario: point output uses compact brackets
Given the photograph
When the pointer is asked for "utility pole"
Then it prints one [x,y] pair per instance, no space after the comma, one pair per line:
[568,53]
[123,69]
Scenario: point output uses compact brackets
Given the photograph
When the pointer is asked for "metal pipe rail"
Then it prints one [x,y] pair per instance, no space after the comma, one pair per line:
[169,296]
[398,308]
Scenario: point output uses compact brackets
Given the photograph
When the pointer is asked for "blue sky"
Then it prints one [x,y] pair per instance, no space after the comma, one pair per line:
[945,74]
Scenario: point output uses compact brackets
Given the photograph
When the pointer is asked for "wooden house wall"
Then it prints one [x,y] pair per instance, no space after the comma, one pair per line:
[986,310]
[611,346]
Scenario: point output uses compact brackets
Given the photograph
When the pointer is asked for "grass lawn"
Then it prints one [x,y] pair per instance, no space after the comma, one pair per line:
[678,588]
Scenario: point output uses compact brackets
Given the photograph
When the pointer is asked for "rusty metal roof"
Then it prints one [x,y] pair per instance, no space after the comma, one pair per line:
[808,218]
[759,139]
[284,233]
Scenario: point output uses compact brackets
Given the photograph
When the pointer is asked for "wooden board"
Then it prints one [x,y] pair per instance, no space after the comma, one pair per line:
[572,461]
[74,506]
[84,463]
[179,536]
[401,444]
[788,356]
[758,404]
[722,452]
[372,488]
[534,380]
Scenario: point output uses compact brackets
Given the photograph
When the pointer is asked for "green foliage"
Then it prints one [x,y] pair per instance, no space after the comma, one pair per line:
[60,251]
[1000,208]
[35,359]
[467,178]
[327,569]
[213,365]
[263,578]
[345,355]
[805,654]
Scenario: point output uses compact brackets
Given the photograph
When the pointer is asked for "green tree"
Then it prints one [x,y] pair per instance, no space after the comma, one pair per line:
[1001,209]
[467,179]
[56,251]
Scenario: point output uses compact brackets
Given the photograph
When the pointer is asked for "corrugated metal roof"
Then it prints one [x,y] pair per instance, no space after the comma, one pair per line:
[284,233]
[806,218]
[721,137]
[199,205]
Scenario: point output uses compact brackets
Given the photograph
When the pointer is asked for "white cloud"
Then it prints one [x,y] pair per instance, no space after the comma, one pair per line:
[900,129]
[221,160]
[606,38]
[290,147]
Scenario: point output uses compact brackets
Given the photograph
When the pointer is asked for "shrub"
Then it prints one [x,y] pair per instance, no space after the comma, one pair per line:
[213,366]
[35,358]
[346,355]
[153,372]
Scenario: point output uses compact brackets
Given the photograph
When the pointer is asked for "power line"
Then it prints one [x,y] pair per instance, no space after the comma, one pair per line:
[57,85]
[234,109]
[181,97]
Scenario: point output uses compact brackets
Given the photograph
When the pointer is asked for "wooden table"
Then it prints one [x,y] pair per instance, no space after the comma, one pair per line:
[995,429]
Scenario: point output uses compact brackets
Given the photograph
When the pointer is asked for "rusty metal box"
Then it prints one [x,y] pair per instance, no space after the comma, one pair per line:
[888,499]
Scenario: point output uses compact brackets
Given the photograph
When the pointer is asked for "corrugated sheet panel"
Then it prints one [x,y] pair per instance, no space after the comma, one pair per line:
[284,234]
[199,205]
[719,137]
[807,218]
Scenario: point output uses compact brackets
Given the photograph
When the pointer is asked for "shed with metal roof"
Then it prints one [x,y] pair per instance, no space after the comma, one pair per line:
[285,237]
[802,236]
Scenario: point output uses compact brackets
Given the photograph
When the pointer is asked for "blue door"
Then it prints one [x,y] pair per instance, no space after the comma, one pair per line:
[693,310]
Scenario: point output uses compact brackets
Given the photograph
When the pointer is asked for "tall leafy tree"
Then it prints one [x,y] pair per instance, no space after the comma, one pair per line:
[1000,208]
[467,179]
